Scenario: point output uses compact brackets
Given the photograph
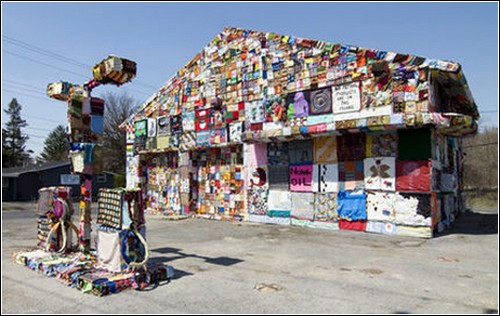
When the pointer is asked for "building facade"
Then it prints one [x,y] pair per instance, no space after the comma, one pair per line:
[286,130]
[23,183]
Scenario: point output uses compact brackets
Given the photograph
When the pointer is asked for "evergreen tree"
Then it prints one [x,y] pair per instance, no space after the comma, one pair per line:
[14,152]
[56,146]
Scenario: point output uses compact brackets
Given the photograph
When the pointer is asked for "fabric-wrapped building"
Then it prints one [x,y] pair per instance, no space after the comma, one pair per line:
[286,130]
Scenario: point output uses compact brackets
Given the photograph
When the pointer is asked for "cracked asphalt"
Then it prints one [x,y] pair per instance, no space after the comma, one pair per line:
[220,267]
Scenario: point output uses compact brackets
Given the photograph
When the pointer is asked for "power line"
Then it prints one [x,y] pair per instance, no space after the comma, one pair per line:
[61,69]
[24,94]
[7,80]
[45,52]
[27,89]
[38,129]
[62,58]
[36,136]
[42,63]
[42,118]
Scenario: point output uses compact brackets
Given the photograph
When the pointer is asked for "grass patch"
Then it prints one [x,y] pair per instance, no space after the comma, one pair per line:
[9,208]
[483,202]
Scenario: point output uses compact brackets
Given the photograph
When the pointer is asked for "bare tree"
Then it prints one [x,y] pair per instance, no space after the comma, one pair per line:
[118,107]
[481,161]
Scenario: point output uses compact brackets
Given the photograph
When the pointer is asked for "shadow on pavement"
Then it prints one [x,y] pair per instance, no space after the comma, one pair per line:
[178,254]
[473,223]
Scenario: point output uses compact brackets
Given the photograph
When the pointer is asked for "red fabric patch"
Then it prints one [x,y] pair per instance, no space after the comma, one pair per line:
[413,176]
[256,126]
[352,225]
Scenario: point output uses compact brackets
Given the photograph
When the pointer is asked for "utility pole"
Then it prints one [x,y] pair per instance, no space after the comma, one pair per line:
[85,125]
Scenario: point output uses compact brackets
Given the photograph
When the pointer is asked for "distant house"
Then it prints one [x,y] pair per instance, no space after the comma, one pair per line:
[23,183]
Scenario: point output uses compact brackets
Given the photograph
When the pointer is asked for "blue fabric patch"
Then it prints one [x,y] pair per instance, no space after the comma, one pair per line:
[272,213]
[351,205]
[97,124]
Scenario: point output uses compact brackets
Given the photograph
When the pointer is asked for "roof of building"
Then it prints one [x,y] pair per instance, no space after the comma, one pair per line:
[245,66]
[16,171]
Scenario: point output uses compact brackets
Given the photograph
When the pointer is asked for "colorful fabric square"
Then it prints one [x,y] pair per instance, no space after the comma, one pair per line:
[235,131]
[321,102]
[325,150]
[382,145]
[97,124]
[109,208]
[255,154]
[218,118]
[277,154]
[44,202]
[352,205]
[301,152]
[88,152]
[188,119]
[176,124]
[140,144]
[381,228]
[82,122]
[325,207]
[301,178]
[109,250]
[320,120]
[163,123]
[162,142]
[351,175]
[380,173]
[279,177]
[352,225]
[346,98]
[217,136]
[414,144]
[380,206]
[276,108]
[257,201]
[407,208]
[414,231]
[151,127]
[298,104]
[44,226]
[315,224]
[351,147]
[269,220]
[140,128]
[413,176]
[203,138]
[424,203]
[325,178]
[279,200]
[188,141]
[449,182]
[96,106]
[174,141]
[202,122]
[254,112]
[76,106]
[257,177]
[296,124]
[77,160]
[302,205]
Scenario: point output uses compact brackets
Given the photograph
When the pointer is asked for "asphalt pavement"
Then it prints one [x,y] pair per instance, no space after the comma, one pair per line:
[225,267]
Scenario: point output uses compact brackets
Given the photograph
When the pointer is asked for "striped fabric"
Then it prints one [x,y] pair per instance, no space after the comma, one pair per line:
[325,150]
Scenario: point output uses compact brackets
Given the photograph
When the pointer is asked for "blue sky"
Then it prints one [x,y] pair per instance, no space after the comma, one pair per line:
[161,37]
